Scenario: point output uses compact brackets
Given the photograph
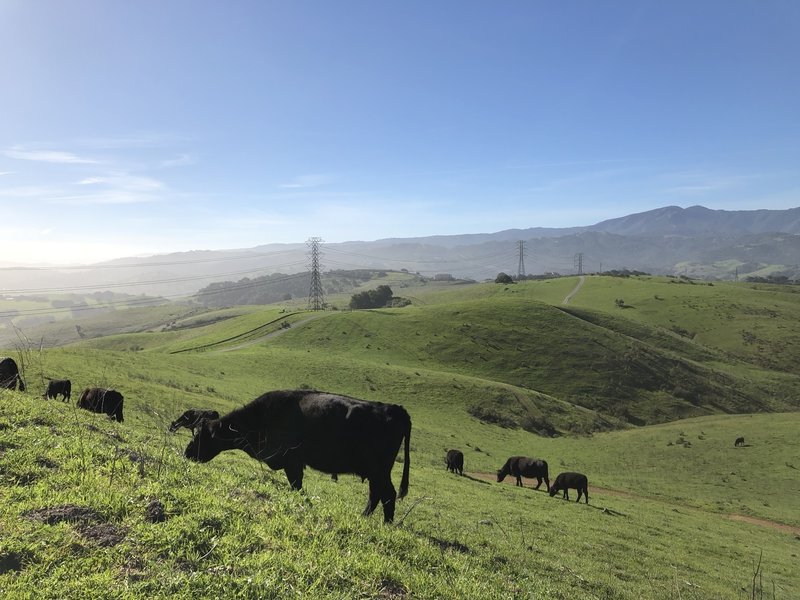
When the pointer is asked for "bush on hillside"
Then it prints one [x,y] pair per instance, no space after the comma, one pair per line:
[377,298]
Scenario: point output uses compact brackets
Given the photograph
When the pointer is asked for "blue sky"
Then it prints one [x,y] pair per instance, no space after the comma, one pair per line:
[134,128]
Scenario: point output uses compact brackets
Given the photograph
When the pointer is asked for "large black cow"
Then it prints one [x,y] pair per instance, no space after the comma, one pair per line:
[576,481]
[9,375]
[292,429]
[102,400]
[56,387]
[191,419]
[455,461]
[522,466]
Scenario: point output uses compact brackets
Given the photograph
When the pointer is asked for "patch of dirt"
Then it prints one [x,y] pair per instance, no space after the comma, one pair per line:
[45,462]
[11,562]
[766,523]
[390,589]
[450,545]
[104,534]
[68,513]
[154,513]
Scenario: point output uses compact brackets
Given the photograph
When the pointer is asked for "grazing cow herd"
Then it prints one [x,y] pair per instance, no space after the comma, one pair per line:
[290,430]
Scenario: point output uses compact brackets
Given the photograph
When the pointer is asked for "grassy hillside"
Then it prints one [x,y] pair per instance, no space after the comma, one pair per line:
[92,508]
[676,511]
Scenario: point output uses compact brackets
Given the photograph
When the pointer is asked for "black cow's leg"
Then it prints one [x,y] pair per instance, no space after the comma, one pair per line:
[566,493]
[580,493]
[294,473]
[547,482]
[519,481]
[586,494]
[538,483]
[388,498]
[381,490]
[374,498]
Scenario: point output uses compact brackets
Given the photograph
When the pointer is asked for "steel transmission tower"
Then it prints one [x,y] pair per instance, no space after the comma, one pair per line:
[315,293]
[521,267]
[579,262]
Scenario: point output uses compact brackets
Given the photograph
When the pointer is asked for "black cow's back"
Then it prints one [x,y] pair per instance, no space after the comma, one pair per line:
[9,374]
[102,400]
[455,461]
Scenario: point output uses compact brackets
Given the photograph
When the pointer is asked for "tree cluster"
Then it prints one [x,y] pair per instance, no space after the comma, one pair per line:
[378,298]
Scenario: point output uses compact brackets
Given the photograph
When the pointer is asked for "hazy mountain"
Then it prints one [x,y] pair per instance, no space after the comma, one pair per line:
[695,241]
[698,220]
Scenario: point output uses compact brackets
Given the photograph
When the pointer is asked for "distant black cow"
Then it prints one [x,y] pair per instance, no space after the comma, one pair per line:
[56,387]
[292,429]
[577,481]
[739,442]
[9,375]
[522,466]
[455,461]
[102,400]
[191,419]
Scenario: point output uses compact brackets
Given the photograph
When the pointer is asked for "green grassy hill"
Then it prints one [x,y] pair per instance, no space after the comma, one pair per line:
[676,511]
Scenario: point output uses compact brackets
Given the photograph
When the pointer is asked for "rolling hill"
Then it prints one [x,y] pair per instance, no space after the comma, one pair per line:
[94,508]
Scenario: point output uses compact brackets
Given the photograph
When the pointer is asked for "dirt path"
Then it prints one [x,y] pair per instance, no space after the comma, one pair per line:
[491,477]
[575,290]
[271,334]
[766,523]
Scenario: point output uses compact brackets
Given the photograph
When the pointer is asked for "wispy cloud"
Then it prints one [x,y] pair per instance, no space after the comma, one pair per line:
[99,198]
[140,140]
[181,161]
[702,182]
[307,181]
[124,181]
[110,189]
[5,173]
[117,188]
[49,156]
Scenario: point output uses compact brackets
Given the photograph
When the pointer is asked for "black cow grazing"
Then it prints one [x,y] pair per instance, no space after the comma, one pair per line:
[56,387]
[577,481]
[739,442]
[292,429]
[9,375]
[455,461]
[191,419]
[102,400]
[522,466]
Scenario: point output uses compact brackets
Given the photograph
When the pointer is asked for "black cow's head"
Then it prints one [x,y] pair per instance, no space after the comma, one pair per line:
[501,474]
[210,438]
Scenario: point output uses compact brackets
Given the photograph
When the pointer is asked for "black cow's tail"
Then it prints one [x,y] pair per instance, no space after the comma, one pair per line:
[406,459]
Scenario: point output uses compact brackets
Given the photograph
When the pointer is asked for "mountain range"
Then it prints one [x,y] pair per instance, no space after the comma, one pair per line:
[694,241]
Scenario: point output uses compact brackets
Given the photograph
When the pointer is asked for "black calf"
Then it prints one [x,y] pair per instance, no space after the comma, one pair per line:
[577,481]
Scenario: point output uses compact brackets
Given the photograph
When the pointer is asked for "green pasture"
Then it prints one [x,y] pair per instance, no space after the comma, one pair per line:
[676,510]
[79,493]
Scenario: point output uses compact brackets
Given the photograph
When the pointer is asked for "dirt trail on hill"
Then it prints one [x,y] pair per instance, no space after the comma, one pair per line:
[491,477]
[575,290]
[271,334]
